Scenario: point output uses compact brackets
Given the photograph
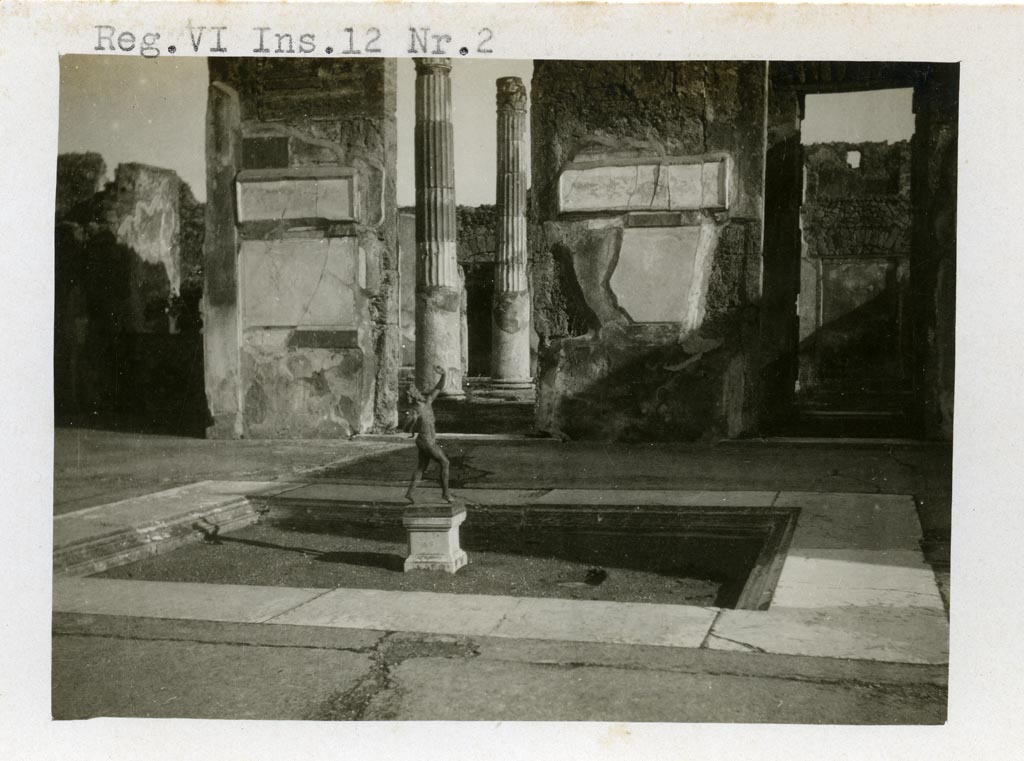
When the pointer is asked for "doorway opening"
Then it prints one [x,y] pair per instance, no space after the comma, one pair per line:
[840,217]
[479,297]
[853,375]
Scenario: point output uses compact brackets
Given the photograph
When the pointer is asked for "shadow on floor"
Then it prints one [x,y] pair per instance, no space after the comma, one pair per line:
[384,560]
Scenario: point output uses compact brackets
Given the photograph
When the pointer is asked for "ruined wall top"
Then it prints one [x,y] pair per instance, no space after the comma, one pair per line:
[136,245]
[79,178]
[882,170]
[862,210]
[132,175]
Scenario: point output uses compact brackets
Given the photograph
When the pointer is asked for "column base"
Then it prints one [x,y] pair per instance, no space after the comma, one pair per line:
[510,340]
[455,395]
[511,384]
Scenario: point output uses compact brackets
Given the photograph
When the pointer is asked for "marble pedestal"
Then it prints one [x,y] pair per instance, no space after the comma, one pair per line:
[434,538]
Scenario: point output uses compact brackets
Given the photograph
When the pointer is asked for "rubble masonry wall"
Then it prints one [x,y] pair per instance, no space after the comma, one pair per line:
[648,319]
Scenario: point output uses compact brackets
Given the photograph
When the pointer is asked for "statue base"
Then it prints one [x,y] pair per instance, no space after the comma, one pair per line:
[433,532]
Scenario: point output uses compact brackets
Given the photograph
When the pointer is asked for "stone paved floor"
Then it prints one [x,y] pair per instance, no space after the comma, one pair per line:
[814,607]
[854,583]
[94,467]
[98,467]
[116,666]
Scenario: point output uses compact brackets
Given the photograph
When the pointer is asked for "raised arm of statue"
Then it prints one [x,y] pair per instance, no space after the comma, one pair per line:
[440,384]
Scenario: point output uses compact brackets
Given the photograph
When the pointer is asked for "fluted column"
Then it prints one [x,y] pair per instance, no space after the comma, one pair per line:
[510,315]
[438,320]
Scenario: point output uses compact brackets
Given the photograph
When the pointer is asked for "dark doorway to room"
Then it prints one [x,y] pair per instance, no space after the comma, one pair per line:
[479,295]
[839,253]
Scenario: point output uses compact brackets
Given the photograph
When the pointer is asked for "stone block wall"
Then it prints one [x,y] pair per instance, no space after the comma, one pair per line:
[882,171]
[302,261]
[646,246]
[475,240]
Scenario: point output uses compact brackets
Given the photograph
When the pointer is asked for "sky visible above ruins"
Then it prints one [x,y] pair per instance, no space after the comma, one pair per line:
[474,122]
[873,116]
[129,108]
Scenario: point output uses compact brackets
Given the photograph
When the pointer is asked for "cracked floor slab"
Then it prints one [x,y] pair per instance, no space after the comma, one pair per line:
[718,642]
[862,578]
[177,668]
[404,611]
[596,621]
[423,612]
[215,632]
[481,689]
[899,635]
[376,696]
[836,520]
[158,599]
[486,615]
[103,676]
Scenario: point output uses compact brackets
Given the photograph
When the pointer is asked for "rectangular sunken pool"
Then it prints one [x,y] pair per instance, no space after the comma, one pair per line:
[726,557]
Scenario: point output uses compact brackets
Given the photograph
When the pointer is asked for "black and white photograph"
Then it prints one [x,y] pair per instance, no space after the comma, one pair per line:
[673,378]
[402,376]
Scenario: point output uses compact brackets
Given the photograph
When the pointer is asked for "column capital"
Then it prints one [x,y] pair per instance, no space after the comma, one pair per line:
[511,94]
[425,66]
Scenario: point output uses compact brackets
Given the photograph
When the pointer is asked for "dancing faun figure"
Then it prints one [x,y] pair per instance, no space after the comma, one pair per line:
[420,424]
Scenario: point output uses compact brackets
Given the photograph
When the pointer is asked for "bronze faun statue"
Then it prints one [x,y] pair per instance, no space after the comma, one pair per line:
[421,421]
